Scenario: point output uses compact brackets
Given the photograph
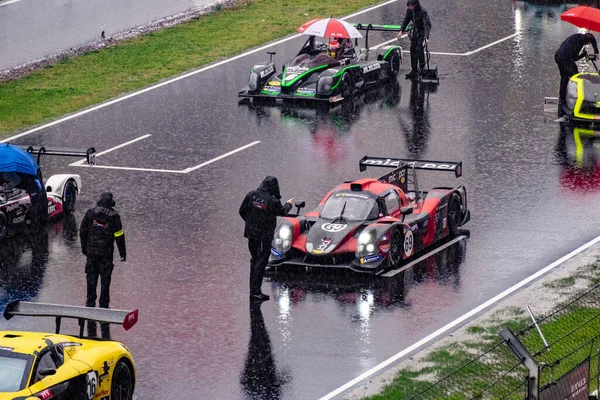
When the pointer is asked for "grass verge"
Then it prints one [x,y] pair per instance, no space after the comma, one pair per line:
[96,76]
[573,335]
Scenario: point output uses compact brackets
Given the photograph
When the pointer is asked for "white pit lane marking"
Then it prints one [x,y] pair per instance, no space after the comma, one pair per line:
[80,163]
[468,53]
[461,319]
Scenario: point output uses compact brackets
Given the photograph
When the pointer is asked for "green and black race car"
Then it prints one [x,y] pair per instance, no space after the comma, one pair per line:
[329,73]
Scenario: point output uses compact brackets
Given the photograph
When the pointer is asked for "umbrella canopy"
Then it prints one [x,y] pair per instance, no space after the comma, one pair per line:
[329,27]
[14,159]
[583,17]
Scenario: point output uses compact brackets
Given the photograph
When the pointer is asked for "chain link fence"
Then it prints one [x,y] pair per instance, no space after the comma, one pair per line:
[568,365]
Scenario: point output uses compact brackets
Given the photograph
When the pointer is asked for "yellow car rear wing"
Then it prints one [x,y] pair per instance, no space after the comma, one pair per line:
[103,315]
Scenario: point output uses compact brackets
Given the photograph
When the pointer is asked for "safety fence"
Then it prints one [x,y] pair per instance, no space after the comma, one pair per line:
[557,359]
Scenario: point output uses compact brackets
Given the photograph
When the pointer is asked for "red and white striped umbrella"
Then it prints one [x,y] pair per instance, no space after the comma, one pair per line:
[329,27]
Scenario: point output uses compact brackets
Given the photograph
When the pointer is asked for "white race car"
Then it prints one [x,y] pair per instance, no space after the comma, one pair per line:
[25,200]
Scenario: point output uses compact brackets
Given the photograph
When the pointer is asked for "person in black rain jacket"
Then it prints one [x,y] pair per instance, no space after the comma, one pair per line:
[565,57]
[259,210]
[100,228]
[419,36]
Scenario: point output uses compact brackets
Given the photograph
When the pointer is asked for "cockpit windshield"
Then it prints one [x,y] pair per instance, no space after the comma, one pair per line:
[13,372]
[307,61]
[352,206]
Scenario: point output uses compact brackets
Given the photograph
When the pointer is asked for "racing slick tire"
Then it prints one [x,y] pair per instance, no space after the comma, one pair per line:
[3,226]
[122,382]
[395,64]
[69,196]
[346,86]
[396,247]
[454,213]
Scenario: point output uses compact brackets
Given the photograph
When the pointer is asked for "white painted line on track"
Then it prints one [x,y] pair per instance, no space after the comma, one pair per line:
[184,171]
[460,320]
[178,78]
[78,163]
[391,273]
[468,53]
[9,2]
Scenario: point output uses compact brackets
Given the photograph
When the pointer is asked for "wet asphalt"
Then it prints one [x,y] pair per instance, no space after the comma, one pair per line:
[533,187]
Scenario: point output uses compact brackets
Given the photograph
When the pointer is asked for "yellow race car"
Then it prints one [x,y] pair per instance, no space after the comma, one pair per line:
[53,366]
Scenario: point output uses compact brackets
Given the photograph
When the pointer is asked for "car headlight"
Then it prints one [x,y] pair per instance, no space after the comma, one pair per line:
[571,95]
[283,238]
[324,85]
[367,244]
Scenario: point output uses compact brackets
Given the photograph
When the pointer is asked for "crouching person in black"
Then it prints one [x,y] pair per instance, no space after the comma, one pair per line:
[100,228]
[259,210]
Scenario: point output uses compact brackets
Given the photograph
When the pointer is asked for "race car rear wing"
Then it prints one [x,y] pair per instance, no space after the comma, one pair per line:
[89,154]
[375,27]
[103,315]
[368,161]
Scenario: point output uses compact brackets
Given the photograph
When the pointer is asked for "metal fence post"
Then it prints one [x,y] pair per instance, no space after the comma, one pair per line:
[533,381]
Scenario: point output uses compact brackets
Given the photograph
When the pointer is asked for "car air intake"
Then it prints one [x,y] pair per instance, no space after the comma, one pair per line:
[356,187]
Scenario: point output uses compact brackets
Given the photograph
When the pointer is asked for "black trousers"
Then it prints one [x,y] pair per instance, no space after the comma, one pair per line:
[567,69]
[98,266]
[417,54]
[259,251]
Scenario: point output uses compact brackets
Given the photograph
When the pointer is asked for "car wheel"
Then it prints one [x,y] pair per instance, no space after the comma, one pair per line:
[395,64]
[69,196]
[454,213]
[396,247]
[3,226]
[121,387]
[346,86]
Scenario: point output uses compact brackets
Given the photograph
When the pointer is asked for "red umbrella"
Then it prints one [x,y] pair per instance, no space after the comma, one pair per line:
[329,27]
[583,17]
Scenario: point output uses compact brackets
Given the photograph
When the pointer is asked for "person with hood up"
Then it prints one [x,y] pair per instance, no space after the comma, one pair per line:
[100,228]
[419,36]
[259,210]
[566,56]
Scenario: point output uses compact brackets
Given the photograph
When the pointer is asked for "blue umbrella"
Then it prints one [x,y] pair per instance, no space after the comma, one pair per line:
[15,159]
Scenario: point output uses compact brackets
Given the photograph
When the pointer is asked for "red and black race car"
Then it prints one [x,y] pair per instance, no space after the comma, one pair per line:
[370,225]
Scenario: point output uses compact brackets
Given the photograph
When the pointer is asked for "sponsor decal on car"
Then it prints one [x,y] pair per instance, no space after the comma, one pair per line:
[274,83]
[322,247]
[385,248]
[371,67]
[18,220]
[306,91]
[346,194]
[275,253]
[273,90]
[267,71]
[370,259]
[6,348]
[329,227]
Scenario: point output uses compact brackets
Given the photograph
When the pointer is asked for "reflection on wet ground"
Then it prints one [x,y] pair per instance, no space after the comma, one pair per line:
[369,293]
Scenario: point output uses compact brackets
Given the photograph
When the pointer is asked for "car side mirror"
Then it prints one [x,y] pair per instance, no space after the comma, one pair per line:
[48,188]
[299,204]
[47,371]
[406,210]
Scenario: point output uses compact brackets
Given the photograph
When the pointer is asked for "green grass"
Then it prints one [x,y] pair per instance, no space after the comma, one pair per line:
[79,82]
[571,336]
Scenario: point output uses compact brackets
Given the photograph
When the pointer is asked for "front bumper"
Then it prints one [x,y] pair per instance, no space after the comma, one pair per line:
[369,264]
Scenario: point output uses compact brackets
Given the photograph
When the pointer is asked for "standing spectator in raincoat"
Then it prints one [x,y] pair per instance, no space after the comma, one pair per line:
[419,36]
[259,210]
